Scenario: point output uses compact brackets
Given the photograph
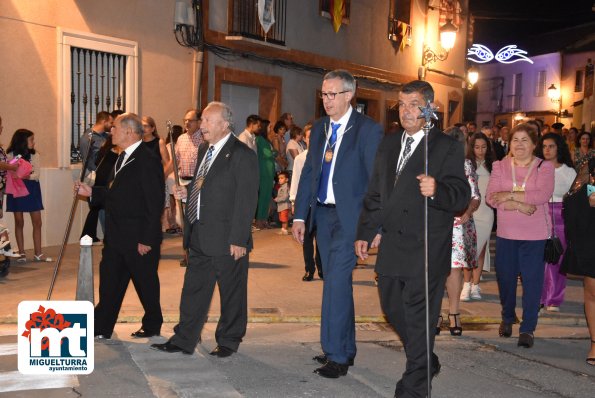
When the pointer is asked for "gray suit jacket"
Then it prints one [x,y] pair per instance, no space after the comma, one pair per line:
[227,200]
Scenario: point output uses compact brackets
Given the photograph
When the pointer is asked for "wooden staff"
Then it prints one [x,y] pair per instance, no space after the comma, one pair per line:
[70,218]
[176,173]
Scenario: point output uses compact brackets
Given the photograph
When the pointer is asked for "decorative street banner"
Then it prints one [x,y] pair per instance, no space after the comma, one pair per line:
[337,10]
[506,55]
[266,16]
[56,337]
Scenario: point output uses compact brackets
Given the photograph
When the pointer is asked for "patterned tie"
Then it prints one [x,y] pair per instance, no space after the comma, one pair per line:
[191,211]
[405,157]
[120,161]
[326,165]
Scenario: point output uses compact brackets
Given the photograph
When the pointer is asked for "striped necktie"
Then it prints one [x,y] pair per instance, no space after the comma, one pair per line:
[191,212]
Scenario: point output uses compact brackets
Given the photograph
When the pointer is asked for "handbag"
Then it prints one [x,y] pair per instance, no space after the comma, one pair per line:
[553,247]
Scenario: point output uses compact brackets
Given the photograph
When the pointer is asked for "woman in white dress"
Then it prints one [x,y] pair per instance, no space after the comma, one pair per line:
[293,146]
[481,155]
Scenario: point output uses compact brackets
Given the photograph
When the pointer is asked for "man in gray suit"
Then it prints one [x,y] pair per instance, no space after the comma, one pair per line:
[217,233]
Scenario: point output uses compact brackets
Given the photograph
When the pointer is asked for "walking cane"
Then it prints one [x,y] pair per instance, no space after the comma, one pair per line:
[427,113]
[70,217]
[176,174]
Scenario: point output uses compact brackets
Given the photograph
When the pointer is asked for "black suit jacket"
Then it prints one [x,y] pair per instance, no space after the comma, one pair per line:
[134,202]
[397,211]
[227,200]
[353,168]
[498,150]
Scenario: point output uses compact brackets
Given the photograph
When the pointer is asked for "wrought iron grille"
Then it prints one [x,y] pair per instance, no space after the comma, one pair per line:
[98,81]
[244,21]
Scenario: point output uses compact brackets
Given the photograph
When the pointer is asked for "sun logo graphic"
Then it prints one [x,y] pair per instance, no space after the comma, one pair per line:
[55,337]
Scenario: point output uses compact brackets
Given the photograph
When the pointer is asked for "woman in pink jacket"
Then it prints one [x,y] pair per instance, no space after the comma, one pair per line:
[519,188]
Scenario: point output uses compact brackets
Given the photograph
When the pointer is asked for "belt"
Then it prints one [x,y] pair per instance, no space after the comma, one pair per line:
[186,178]
[329,205]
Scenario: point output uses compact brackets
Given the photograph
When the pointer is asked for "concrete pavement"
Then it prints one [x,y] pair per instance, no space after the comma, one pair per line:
[276,292]
[275,359]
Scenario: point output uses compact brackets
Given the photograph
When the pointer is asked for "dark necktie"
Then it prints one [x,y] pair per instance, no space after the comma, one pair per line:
[327,162]
[120,160]
[191,211]
[406,155]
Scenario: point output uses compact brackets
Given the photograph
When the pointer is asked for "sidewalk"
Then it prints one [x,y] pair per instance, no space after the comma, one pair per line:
[276,293]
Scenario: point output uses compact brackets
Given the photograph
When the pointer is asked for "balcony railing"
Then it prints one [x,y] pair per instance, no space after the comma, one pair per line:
[244,21]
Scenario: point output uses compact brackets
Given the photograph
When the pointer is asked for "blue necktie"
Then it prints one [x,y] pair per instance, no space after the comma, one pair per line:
[326,165]
[191,211]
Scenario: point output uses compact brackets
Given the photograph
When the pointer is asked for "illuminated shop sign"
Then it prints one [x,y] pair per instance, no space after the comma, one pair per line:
[506,55]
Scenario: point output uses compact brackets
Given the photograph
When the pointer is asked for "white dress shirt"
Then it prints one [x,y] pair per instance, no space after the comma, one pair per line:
[417,137]
[249,139]
[127,152]
[330,194]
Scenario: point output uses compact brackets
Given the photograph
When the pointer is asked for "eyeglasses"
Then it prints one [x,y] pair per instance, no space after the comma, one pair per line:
[331,95]
[191,120]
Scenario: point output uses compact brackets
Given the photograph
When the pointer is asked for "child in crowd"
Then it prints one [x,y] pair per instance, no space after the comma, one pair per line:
[283,203]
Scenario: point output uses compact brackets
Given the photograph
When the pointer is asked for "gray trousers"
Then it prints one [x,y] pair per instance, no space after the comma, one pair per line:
[201,275]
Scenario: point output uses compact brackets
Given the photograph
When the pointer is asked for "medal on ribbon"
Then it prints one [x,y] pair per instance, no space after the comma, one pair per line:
[328,155]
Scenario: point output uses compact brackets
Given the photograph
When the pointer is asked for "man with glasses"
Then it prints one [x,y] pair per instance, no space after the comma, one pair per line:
[332,187]
[187,146]
[187,150]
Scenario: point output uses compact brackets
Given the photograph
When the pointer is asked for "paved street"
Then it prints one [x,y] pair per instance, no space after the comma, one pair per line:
[275,358]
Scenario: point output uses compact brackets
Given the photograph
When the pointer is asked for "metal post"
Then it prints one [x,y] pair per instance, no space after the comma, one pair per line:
[427,113]
[84,282]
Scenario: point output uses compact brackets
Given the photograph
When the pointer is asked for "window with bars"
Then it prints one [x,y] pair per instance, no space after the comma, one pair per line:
[244,20]
[540,83]
[98,83]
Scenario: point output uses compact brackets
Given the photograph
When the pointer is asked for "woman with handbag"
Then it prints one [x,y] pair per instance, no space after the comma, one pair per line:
[519,188]
[553,149]
[579,259]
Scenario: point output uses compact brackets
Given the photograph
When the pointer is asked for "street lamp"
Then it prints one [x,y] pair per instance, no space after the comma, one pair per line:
[448,35]
[472,76]
[553,93]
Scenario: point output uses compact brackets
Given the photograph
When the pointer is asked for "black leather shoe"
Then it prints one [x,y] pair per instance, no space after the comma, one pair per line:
[505,329]
[141,333]
[332,370]
[169,348]
[222,352]
[436,367]
[526,340]
[322,359]
[308,277]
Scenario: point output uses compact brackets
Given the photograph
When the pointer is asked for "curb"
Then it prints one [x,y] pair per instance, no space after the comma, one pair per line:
[560,320]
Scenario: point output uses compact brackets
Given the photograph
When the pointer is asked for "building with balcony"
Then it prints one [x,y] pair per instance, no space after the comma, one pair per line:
[63,61]
[557,86]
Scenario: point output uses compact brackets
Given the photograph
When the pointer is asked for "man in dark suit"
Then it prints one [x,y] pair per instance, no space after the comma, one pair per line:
[133,205]
[217,233]
[332,186]
[392,218]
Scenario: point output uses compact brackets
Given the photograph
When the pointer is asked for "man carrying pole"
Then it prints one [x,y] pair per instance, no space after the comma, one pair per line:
[408,280]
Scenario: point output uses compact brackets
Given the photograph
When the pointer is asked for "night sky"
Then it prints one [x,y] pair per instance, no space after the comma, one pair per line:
[502,22]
